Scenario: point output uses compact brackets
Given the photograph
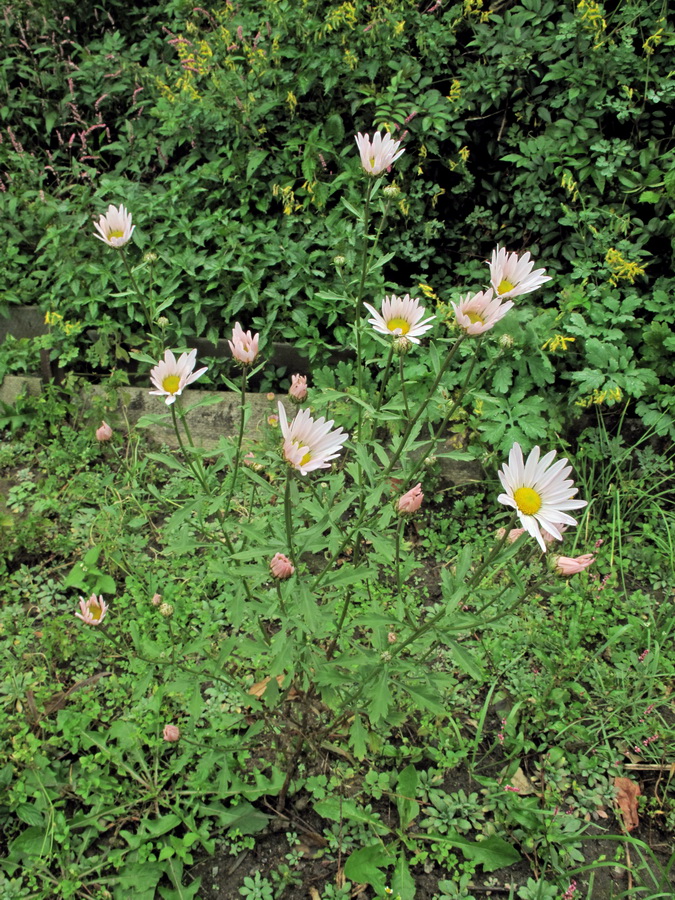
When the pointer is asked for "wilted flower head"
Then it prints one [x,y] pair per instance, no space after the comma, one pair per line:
[479,313]
[310,444]
[401,316]
[511,276]
[244,345]
[281,566]
[170,377]
[410,502]
[539,492]
[93,610]
[104,432]
[567,565]
[115,228]
[298,388]
[166,610]
[378,154]
[171,733]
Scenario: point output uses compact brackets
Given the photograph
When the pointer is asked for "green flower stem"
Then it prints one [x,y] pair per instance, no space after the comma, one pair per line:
[412,422]
[288,516]
[199,475]
[240,436]
[349,537]
[404,393]
[385,377]
[281,598]
[357,305]
[338,629]
[134,283]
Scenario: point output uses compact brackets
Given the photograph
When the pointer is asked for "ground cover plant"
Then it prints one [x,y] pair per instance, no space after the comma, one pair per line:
[281,636]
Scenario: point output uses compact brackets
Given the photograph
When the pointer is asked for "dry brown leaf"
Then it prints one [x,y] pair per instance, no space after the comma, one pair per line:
[314,894]
[259,688]
[627,792]
[520,780]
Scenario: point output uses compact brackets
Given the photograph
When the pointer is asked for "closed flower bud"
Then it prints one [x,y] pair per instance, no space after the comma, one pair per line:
[166,609]
[162,321]
[567,565]
[339,261]
[410,502]
[104,432]
[298,389]
[402,345]
[156,600]
[506,341]
[281,566]
[391,191]
[171,733]
[391,637]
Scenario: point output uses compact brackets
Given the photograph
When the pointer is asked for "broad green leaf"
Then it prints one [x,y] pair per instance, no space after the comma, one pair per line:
[364,866]
[406,788]
[402,882]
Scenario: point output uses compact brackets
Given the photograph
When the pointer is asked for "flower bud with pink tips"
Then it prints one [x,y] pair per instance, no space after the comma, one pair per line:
[171,376]
[512,276]
[244,345]
[104,432]
[298,389]
[567,565]
[310,444]
[281,566]
[378,154]
[411,501]
[480,312]
[171,733]
[92,611]
[115,228]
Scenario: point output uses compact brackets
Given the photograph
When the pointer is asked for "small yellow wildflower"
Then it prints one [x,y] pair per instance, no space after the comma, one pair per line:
[557,342]
[398,27]
[351,59]
[428,291]
[621,269]
[464,153]
[455,91]
[292,101]
[404,206]
[570,185]
[53,318]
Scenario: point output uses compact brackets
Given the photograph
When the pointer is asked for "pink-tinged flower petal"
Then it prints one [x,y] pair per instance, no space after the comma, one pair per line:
[539,491]
[92,611]
[480,312]
[115,228]
[310,444]
[171,376]
[298,389]
[104,432]
[378,154]
[244,345]
[512,276]
[567,565]
[171,733]
[281,566]
[411,501]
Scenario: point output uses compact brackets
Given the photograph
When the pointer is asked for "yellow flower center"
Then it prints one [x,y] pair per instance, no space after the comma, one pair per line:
[116,233]
[306,458]
[371,160]
[474,317]
[95,611]
[505,286]
[171,384]
[400,326]
[527,500]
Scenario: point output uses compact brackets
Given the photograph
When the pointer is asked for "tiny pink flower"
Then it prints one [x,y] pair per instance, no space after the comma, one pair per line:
[410,502]
[281,566]
[93,610]
[171,733]
[244,345]
[298,389]
[566,565]
[104,432]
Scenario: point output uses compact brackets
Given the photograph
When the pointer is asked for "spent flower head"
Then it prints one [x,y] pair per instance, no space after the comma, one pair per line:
[115,228]
[104,432]
[281,566]
[568,565]
[539,491]
[512,275]
[400,317]
[378,154]
[310,444]
[171,376]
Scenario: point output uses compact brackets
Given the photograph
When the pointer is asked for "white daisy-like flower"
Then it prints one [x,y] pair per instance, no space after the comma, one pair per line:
[171,376]
[93,610]
[401,316]
[244,345]
[310,444]
[511,276]
[115,228]
[539,492]
[378,154]
[480,312]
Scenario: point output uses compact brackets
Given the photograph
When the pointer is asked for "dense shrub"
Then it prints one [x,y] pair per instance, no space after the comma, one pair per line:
[228,131]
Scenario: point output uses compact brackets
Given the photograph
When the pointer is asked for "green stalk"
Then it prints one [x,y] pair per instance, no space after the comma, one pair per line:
[134,284]
[288,517]
[385,377]
[240,437]
[357,304]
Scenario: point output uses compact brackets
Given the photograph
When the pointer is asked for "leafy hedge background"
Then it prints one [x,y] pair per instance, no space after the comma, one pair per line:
[228,131]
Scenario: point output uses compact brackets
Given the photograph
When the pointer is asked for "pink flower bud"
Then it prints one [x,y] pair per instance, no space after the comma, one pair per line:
[171,733]
[281,566]
[409,503]
[156,600]
[566,565]
[298,389]
[104,432]
[244,345]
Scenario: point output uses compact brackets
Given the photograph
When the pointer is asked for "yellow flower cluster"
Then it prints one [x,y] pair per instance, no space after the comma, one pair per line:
[54,318]
[621,269]
[455,91]
[339,16]
[428,291]
[570,185]
[287,197]
[653,40]
[598,397]
[591,17]
[557,342]
[351,59]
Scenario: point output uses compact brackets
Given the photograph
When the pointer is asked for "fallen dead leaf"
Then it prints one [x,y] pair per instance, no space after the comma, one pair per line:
[627,792]
[520,780]
[259,688]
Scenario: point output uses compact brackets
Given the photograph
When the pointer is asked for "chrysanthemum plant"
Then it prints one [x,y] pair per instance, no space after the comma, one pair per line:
[317,600]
